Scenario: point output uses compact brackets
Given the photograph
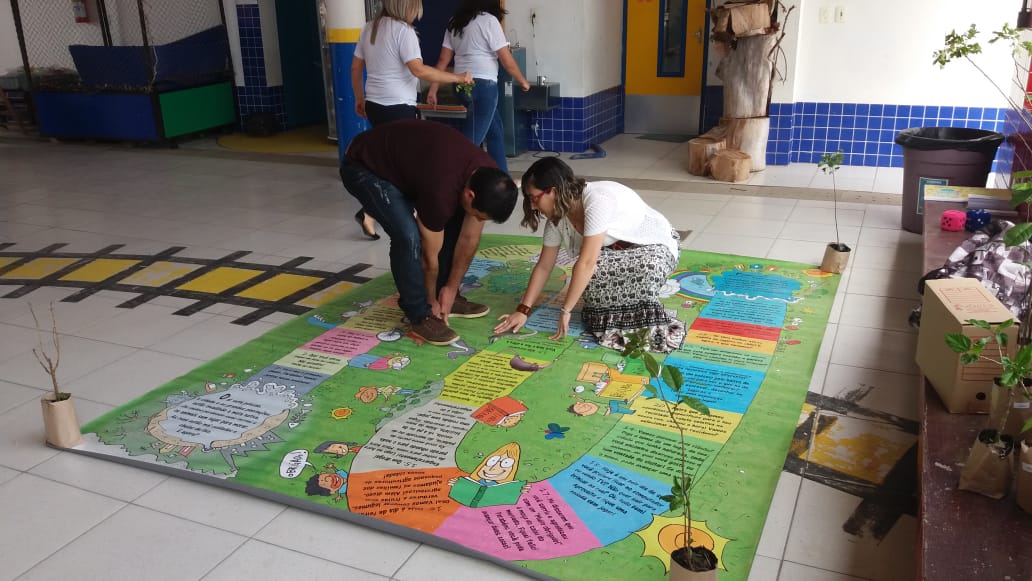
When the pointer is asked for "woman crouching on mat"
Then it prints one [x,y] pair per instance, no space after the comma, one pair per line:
[625,252]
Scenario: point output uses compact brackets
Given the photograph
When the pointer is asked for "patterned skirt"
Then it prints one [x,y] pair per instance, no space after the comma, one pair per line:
[623,297]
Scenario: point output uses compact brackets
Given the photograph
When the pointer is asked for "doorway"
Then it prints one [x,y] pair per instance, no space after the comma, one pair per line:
[301,62]
[663,65]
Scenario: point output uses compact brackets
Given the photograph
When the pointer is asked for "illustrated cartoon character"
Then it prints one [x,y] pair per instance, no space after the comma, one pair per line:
[330,483]
[492,482]
[395,361]
[369,393]
[337,448]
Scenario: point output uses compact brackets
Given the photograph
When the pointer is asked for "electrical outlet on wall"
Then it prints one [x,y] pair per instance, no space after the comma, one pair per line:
[824,15]
[840,14]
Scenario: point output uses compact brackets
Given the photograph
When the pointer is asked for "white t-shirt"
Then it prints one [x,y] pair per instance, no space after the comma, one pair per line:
[619,212]
[388,79]
[476,50]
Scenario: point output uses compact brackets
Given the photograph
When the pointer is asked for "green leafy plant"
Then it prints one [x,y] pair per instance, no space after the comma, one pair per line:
[465,89]
[679,499]
[829,164]
[1014,369]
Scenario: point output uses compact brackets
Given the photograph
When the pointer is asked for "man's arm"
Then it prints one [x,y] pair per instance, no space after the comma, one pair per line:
[431,246]
[465,248]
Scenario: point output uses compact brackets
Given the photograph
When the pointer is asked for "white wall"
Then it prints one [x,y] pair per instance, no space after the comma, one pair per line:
[882,53]
[577,43]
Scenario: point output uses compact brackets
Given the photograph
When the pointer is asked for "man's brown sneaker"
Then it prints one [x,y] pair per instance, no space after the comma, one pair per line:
[465,309]
[434,331]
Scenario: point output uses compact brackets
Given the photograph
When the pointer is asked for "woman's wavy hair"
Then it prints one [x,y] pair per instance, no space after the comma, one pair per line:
[469,9]
[551,172]
[407,11]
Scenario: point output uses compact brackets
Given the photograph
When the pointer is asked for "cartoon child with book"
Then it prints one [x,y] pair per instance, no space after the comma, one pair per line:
[492,482]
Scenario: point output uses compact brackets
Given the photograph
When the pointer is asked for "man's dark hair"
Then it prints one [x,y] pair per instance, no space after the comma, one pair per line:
[495,193]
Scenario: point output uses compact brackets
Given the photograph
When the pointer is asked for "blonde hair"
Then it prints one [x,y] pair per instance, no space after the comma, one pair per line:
[512,450]
[407,11]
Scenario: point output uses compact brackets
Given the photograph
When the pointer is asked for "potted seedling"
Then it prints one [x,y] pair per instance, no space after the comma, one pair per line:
[836,255]
[59,420]
[988,468]
[687,562]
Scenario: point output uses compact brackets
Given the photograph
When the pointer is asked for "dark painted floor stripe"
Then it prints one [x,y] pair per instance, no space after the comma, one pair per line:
[57,275]
[145,261]
[170,288]
[27,257]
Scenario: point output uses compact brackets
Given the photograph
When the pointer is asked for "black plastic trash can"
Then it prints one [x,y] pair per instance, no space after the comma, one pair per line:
[956,156]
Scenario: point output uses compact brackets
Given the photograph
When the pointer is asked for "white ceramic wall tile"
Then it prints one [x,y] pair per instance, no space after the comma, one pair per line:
[138,543]
[41,517]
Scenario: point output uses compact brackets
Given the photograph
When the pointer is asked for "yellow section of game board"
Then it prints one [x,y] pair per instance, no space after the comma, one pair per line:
[220,279]
[99,269]
[278,287]
[39,268]
[159,274]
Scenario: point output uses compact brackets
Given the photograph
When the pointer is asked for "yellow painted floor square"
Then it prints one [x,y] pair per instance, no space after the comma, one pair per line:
[864,449]
[99,269]
[5,260]
[39,268]
[160,273]
[326,295]
[220,279]
[279,286]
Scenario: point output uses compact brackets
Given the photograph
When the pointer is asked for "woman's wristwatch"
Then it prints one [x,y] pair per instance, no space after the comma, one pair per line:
[525,309]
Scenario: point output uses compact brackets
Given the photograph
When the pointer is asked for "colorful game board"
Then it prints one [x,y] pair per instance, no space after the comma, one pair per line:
[548,456]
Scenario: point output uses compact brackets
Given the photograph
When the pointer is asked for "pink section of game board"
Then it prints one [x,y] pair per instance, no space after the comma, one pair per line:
[539,526]
[343,342]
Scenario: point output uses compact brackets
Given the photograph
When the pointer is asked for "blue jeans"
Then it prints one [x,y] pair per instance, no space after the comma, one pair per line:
[388,205]
[484,121]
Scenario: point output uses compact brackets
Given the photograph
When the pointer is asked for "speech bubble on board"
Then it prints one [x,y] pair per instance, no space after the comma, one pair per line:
[293,463]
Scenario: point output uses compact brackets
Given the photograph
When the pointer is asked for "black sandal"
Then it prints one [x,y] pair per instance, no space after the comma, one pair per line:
[360,218]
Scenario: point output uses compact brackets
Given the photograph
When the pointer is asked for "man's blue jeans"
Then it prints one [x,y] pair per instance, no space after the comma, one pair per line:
[395,213]
[484,121]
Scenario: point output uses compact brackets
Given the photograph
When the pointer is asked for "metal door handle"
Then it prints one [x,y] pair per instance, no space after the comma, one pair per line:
[698,35]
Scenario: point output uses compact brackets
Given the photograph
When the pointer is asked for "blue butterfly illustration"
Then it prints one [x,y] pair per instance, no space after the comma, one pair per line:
[555,431]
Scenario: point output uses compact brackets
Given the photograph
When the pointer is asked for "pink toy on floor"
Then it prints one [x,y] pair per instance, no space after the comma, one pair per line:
[953,220]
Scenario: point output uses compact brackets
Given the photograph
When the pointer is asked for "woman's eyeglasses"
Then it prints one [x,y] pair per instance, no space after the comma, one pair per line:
[534,199]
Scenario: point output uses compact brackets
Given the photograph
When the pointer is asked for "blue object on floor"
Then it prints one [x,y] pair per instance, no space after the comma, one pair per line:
[596,153]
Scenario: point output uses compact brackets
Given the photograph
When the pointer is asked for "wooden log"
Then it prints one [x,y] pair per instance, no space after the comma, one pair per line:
[746,72]
[729,165]
[750,136]
[700,150]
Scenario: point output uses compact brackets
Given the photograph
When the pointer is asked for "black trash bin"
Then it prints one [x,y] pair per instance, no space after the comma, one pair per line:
[956,156]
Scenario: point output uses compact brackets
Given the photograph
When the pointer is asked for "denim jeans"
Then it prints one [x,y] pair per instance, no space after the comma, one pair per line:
[389,206]
[484,121]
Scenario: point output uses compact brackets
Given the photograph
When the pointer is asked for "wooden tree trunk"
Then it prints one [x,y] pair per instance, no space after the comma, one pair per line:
[750,136]
[746,74]
[700,150]
[729,165]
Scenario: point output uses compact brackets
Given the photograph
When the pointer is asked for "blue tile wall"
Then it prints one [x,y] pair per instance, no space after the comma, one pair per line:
[865,132]
[578,122]
[255,96]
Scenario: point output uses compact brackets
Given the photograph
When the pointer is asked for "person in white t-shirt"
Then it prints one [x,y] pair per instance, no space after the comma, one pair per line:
[388,52]
[625,253]
[476,40]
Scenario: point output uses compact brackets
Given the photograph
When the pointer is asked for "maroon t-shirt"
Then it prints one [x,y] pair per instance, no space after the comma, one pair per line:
[428,161]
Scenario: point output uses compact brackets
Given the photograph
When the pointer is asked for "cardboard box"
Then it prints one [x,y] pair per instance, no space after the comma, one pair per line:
[746,18]
[948,304]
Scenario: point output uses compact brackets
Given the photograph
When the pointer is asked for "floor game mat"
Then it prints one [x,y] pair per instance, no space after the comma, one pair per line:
[546,456]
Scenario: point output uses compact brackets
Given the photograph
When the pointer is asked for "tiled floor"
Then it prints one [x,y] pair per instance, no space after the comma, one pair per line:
[69,517]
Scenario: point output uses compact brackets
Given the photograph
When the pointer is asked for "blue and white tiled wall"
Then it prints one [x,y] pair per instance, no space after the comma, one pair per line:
[579,122]
[866,133]
[256,96]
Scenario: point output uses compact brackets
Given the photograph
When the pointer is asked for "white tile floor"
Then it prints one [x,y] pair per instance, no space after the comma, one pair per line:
[70,517]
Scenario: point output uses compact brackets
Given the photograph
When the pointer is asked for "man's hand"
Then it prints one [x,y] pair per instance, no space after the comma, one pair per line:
[445,301]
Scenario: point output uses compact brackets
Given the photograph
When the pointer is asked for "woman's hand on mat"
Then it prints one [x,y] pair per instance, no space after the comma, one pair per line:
[564,326]
[511,322]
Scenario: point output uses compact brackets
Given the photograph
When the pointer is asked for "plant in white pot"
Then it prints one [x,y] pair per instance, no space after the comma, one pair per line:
[59,420]
[687,562]
[836,254]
